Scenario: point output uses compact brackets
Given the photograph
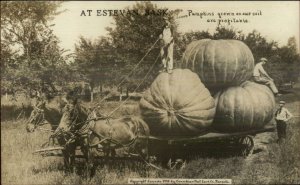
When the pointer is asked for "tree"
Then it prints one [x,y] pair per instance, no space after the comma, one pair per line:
[188,37]
[94,61]
[259,45]
[228,33]
[24,22]
[132,37]
[35,57]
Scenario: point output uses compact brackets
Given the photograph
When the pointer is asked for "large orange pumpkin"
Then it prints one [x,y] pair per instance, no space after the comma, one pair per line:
[177,104]
[219,63]
[245,107]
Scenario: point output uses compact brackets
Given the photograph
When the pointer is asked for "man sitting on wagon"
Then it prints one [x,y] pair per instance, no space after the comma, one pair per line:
[261,76]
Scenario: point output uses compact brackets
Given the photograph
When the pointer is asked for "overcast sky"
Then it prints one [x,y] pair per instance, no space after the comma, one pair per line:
[278,20]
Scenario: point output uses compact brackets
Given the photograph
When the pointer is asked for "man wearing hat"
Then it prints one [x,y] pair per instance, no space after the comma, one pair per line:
[166,51]
[261,76]
[282,116]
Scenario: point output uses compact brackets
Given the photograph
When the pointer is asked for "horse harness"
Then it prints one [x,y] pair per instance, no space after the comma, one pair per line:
[109,138]
[38,118]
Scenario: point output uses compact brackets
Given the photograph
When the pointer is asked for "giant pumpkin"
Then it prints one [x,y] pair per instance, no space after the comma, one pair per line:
[177,104]
[245,107]
[219,63]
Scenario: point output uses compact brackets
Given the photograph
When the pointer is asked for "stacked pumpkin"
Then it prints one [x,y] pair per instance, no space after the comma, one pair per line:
[224,66]
[180,104]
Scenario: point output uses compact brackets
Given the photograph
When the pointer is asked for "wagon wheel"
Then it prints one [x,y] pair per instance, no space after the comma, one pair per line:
[177,164]
[247,145]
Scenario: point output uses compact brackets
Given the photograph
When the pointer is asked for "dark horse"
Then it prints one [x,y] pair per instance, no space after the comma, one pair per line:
[99,134]
[46,111]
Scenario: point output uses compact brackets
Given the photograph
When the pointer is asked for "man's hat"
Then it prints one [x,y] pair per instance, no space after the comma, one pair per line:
[282,102]
[263,59]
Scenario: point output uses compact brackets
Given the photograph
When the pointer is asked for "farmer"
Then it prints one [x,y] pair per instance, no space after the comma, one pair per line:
[166,51]
[282,116]
[261,76]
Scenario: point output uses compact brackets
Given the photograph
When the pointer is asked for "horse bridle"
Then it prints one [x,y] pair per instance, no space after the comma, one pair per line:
[73,131]
[38,118]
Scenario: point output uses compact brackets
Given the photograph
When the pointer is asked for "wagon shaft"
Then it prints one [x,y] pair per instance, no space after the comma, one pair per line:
[48,149]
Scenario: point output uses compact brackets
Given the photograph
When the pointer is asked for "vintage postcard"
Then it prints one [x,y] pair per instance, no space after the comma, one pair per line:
[150,92]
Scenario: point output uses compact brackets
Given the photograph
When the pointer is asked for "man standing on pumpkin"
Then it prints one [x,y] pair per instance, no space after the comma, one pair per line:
[282,116]
[261,76]
[166,51]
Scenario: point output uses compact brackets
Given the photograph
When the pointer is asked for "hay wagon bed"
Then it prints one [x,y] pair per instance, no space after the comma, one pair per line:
[237,143]
[164,148]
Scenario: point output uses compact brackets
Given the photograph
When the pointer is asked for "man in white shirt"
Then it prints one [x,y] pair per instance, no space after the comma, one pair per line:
[166,51]
[261,76]
[282,116]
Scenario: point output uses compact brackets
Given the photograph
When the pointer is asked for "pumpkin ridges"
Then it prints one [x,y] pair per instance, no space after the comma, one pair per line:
[209,103]
[251,106]
[225,73]
[160,101]
[150,99]
[207,114]
[157,89]
[188,60]
[248,88]
[190,49]
[235,53]
[165,119]
[185,123]
[219,64]
[206,58]
[194,54]
[176,88]
[213,63]
[196,123]
[203,94]
[234,76]
[148,104]
[244,68]
[200,49]
[270,109]
[243,71]
[253,113]
[196,91]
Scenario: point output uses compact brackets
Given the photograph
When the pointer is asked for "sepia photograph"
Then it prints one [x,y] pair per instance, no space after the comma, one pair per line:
[150,92]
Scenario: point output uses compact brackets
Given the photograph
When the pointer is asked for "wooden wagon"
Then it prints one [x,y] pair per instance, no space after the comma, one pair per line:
[166,150]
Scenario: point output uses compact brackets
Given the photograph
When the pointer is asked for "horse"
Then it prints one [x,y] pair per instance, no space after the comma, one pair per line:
[92,133]
[70,133]
[46,111]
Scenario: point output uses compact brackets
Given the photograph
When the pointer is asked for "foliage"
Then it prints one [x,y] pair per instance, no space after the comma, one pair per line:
[133,36]
[32,57]
[95,61]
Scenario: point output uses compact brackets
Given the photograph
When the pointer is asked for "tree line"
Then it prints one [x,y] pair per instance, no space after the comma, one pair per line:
[32,60]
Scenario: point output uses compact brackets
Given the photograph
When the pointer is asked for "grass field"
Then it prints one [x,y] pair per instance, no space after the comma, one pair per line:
[271,164]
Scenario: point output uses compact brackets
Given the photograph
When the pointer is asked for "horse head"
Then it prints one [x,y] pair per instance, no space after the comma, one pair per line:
[73,118]
[46,110]
[36,117]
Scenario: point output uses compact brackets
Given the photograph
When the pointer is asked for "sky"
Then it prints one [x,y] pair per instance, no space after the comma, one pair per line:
[275,20]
